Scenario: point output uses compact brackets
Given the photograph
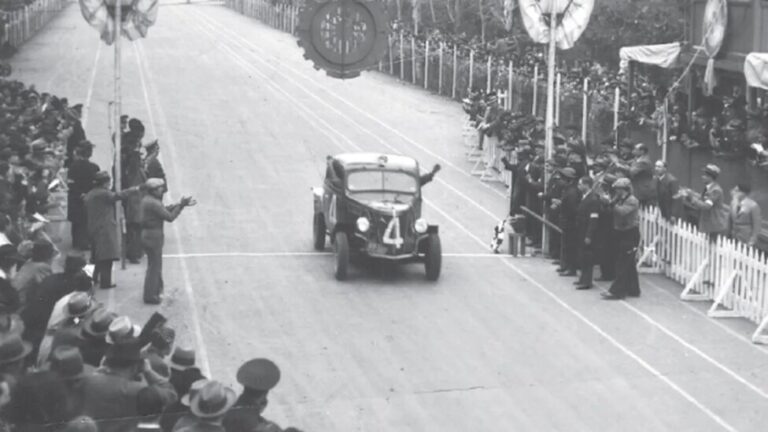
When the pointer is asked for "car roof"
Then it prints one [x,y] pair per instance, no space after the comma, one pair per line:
[373,160]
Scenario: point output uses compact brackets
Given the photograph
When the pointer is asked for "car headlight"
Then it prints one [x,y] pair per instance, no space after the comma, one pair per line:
[420,226]
[363,224]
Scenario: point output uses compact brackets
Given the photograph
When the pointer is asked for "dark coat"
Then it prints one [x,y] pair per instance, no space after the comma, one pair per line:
[93,349]
[154,169]
[535,183]
[245,418]
[133,176]
[569,207]
[41,299]
[182,380]
[102,223]
[38,399]
[666,188]
[641,174]
[587,217]
[80,179]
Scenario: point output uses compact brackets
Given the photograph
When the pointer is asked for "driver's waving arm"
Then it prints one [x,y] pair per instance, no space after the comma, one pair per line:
[426,178]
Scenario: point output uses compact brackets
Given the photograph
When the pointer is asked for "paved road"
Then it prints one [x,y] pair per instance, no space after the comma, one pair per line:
[497,344]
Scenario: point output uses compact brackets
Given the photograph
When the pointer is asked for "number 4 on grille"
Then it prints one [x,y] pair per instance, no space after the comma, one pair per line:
[392,234]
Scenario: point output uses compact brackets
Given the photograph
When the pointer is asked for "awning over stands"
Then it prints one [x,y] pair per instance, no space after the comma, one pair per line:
[756,70]
[664,55]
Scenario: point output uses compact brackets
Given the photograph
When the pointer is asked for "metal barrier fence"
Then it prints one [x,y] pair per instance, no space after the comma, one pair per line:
[731,274]
[21,24]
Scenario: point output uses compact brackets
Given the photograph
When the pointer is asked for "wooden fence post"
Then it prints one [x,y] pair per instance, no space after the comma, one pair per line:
[471,67]
[391,62]
[413,59]
[402,57]
[616,107]
[585,111]
[557,100]
[509,86]
[535,87]
[426,65]
[440,70]
[489,73]
[455,68]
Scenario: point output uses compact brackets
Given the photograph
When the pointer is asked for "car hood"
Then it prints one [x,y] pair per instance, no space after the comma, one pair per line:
[387,207]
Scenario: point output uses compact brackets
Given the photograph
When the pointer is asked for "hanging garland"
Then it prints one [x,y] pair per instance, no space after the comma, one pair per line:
[575,17]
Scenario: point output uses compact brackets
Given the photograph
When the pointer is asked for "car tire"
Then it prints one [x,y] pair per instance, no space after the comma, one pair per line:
[433,257]
[341,247]
[319,231]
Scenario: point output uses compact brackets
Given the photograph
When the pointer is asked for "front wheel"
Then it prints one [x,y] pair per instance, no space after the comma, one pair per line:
[341,246]
[433,258]
[318,231]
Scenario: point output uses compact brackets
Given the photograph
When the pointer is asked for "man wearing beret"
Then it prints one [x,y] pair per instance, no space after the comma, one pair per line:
[153,215]
[258,377]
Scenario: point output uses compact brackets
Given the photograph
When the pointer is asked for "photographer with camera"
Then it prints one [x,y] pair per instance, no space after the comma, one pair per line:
[153,215]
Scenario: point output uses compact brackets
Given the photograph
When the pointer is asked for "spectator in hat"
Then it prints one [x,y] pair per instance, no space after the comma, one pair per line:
[111,392]
[93,336]
[667,189]
[641,175]
[133,176]
[534,186]
[519,179]
[626,221]
[179,412]
[258,377]
[80,283]
[746,220]
[13,353]
[209,407]
[625,151]
[39,401]
[66,331]
[152,165]
[80,179]
[42,298]
[153,216]
[552,213]
[184,372]
[34,271]
[67,363]
[491,120]
[606,251]
[568,206]
[587,218]
[102,226]
[122,330]
[160,343]
[577,155]
[713,212]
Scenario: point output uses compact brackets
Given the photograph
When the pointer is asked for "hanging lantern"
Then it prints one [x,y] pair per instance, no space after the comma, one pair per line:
[572,15]
[714,24]
[136,16]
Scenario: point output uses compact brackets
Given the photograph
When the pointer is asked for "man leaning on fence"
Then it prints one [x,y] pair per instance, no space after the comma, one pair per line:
[713,213]
[746,220]
[491,121]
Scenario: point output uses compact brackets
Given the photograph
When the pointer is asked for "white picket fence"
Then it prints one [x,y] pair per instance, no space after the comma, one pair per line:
[730,274]
[22,24]
[280,16]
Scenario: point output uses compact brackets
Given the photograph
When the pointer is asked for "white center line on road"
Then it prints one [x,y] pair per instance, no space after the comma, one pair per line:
[242,42]
[249,68]
[146,82]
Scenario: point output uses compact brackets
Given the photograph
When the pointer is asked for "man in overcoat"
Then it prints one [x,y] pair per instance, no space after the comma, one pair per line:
[569,258]
[713,212]
[746,220]
[667,188]
[102,226]
[80,180]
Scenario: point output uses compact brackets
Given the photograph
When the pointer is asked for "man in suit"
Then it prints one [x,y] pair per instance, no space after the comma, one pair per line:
[80,180]
[641,174]
[667,188]
[587,216]
[713,212]
[554,191]
[102,226]
[746,220]
[535,182]
[569,204]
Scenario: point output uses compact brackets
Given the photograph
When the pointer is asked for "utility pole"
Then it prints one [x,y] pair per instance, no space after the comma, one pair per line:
[119,132]
[549,121]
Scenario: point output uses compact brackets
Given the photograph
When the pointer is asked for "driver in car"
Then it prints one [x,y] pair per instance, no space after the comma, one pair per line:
[426,178]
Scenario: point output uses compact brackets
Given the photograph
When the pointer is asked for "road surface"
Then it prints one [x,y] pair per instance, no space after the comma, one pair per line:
[498,344]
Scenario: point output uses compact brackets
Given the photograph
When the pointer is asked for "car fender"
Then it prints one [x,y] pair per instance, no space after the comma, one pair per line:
[433,229]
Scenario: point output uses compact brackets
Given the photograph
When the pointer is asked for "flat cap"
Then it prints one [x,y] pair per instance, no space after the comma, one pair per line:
[712,170]
[568,172]
[622,183]
[154,183]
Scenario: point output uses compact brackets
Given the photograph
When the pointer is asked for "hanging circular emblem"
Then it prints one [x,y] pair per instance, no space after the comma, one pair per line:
[715,21]
[344,37]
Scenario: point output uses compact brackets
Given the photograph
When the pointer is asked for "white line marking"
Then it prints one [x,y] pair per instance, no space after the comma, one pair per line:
[91,82]
[653,371]
[205,364]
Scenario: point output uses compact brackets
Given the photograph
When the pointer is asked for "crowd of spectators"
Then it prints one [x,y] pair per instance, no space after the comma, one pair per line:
[68,362]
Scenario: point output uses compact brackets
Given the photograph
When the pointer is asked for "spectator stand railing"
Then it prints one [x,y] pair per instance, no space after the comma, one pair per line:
[731,274]
[23,23]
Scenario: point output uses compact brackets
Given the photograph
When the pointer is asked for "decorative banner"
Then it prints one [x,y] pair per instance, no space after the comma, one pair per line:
[714,24]
[137,17]
[756,70]
[575,17]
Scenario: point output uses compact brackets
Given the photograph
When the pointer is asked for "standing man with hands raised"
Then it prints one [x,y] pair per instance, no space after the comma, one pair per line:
[153,216]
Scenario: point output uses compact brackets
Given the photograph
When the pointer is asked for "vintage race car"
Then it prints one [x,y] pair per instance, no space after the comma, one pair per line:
[370,204]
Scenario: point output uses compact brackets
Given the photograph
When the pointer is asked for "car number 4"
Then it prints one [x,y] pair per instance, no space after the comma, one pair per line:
[392,233]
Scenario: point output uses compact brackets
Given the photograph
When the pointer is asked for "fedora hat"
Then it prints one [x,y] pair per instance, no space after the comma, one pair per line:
[154,183]
[79,304]
[712,170]
[182,359]
[101,177]
[259,374]
[121,329]
[13,348]
[67,361]
[213,400]
[194,389]
[97,325]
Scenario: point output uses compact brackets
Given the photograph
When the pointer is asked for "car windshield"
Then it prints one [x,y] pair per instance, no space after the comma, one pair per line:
[392,186]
